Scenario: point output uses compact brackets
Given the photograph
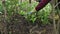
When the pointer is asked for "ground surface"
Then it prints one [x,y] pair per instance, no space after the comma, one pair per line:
[19,25]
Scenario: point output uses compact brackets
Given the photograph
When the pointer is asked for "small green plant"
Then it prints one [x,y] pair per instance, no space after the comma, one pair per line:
[24,8]
[42,14]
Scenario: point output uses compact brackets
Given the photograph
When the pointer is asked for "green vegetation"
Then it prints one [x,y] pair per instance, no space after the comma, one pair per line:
[15,18]
[42,14]
[24,7]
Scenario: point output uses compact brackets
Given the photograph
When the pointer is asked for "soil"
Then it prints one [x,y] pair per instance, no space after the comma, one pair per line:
[19,25]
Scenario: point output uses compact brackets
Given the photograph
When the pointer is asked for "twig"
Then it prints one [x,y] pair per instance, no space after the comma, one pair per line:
[56,4]
[5,15]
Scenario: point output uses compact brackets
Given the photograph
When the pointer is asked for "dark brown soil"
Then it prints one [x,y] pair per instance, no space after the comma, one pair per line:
[19,25]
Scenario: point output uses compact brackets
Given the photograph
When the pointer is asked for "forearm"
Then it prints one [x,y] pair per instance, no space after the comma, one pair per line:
[41,4]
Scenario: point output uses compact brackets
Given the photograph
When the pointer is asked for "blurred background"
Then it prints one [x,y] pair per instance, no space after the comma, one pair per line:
[15,17]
